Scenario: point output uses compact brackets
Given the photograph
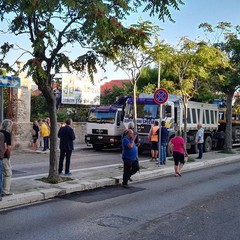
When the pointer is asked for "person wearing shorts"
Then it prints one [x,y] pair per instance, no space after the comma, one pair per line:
[154,141]
[178,147]
[35,134]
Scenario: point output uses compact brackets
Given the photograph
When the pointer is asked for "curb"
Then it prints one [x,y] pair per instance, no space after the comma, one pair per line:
[83,185]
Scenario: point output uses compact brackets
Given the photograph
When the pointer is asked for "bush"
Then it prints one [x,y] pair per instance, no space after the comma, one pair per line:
[75,112]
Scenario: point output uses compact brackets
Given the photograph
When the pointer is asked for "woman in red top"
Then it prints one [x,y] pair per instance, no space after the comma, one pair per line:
[178,147]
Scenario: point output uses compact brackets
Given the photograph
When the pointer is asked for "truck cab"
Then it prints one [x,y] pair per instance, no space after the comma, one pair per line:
[104,127]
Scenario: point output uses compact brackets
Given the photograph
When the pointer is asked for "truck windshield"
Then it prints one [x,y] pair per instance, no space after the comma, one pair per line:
[148,111]
[101,117]
[143,111]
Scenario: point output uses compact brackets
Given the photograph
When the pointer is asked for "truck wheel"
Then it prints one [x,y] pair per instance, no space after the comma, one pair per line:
[207,145]
[97,147]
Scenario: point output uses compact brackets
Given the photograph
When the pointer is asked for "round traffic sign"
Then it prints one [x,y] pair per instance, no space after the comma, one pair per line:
[160,96]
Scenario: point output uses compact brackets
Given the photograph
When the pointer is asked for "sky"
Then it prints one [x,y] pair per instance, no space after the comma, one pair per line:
[187,20]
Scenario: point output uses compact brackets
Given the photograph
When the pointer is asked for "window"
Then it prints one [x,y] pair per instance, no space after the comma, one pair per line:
[212,117]
[101,117]
[129,111]
[194,117]
[188,116]
[147,111]
[207,116]
[166,111]
[216,115]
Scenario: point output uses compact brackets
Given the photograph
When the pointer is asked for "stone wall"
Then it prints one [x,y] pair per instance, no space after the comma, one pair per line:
[21,99]
[22,137]
[80,132]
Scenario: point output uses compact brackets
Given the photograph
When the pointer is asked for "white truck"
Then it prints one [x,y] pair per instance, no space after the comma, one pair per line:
[104,127]
[173,114]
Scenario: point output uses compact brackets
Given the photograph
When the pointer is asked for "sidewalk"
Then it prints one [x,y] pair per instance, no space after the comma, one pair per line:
[29,190]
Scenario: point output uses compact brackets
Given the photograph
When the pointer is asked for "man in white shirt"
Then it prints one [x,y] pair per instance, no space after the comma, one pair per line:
[200,140]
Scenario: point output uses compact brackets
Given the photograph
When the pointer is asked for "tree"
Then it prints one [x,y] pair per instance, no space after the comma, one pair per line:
[190,64]
[4,49]
[226,80]
[110,96]
[38,108]
[132,59]
[149,88]
[148,80]
[149,76]
[52,27]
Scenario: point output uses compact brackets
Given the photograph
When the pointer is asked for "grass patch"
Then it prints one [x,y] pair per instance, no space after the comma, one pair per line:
[55,180]
[191,159]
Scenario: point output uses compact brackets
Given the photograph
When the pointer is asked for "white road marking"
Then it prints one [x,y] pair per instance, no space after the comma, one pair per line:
[74,170]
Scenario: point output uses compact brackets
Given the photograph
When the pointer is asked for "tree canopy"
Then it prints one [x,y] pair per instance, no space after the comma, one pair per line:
[52,27]
[227,79]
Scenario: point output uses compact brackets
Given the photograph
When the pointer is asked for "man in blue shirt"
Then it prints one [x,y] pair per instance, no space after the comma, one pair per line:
[164,142]
[129,157]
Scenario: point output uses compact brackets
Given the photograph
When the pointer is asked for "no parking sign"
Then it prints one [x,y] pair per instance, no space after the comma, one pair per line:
[160,96]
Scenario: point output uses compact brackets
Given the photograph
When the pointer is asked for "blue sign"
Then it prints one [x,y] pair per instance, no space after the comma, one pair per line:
[6,81]
[160,96]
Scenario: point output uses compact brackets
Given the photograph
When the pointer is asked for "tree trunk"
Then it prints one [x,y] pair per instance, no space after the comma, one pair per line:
[53,161]
[53,169]
[228,130]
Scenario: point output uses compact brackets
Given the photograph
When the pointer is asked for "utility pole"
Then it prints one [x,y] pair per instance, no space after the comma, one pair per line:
[160,115]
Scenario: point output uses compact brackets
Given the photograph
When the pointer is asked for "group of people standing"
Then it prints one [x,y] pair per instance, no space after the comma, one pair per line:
[154,135]
[177,146]
[5,161]
[41,134]
[66,135]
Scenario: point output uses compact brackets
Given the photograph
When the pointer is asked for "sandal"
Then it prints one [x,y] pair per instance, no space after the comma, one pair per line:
[179,174]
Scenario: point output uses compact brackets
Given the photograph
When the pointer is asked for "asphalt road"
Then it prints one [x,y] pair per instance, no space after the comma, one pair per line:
[25,164]
[202,204]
